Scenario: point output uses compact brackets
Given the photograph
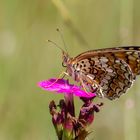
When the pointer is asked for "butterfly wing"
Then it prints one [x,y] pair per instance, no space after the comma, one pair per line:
[114,70]
[131,55]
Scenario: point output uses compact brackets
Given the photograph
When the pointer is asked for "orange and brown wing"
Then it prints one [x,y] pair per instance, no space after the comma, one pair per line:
[132,59]
[114,70]
[112,76]
[130,54]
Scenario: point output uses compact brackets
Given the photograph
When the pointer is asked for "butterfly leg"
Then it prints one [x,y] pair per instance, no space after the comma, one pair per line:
[84,86]
[93,86]
[90,85]
[98,89]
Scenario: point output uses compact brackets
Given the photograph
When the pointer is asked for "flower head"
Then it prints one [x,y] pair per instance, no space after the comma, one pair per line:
[63,86]
[67,125]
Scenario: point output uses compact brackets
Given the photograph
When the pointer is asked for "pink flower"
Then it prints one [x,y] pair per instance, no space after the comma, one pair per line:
[63,86]
[66,124]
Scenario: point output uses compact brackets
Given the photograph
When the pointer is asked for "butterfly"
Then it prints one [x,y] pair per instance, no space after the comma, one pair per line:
[109,72]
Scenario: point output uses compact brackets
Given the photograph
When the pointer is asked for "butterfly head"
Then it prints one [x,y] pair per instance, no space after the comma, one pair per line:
[66,59]
[69,64]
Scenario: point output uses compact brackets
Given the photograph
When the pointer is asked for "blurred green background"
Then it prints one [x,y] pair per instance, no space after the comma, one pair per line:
[26,58]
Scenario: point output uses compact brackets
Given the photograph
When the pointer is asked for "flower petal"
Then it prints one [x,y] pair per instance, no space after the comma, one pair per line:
[63,86]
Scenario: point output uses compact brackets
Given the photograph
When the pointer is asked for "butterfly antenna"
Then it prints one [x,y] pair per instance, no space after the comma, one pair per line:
[55,44]
[61,35]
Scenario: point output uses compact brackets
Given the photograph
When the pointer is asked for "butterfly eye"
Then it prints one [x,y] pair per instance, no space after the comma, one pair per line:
[64,65]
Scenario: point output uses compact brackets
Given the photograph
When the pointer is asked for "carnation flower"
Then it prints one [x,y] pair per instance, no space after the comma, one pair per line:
[63,86]
[67,125]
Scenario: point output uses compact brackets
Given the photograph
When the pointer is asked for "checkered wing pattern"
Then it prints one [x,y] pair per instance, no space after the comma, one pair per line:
[108,71]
